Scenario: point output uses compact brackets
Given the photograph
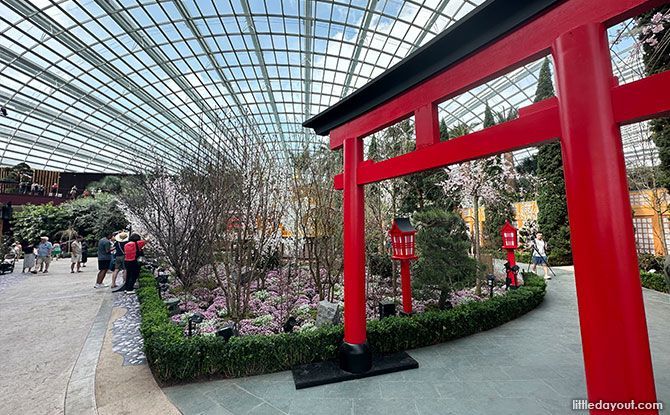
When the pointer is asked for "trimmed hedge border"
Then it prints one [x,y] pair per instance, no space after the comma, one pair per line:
[654,281]
[174,358]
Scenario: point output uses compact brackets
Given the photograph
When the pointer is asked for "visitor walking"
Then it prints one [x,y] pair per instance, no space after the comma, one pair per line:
[104,259]
[29,257]
[120,241]
[56,252]
[75,255]
[539,253]
[132,250]
[84,253]
[44,254]
[73,192]
[54,189]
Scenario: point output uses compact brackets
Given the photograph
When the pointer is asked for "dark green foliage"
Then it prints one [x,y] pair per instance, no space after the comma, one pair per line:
[553,209]
[174,358]
[657,59]
[528,165]
[488,117]
[545,88]
[443,245]
[649,261]
[380,264]
[109,184]
[496,215]
[444,130]
[88,217]
[33,221]
[654,281]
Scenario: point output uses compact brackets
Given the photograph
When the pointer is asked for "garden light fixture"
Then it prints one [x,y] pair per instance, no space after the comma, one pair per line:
[403,243]
[196,318]
[386,309]
[490,280]
[226,332]
[510,239]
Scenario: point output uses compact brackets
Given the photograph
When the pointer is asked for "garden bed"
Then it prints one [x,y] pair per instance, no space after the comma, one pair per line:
[174,358]
[654,281]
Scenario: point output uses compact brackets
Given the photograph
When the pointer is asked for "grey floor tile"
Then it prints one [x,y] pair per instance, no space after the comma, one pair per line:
[572,389]
[408,390]
[265,409]
[323,406]
[445,407]
[355,389]
[508,406]
[466,390]
[385,407]
[234,399]
[525,388]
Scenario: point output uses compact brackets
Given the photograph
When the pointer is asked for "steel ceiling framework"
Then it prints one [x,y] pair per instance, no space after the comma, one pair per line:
[92,85]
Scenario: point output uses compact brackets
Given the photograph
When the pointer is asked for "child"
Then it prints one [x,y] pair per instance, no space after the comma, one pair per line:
[56,251]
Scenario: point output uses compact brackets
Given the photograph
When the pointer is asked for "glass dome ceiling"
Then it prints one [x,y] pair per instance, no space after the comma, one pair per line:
[90,85]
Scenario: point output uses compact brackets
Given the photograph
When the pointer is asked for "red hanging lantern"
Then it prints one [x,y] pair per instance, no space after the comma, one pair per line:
[403,239]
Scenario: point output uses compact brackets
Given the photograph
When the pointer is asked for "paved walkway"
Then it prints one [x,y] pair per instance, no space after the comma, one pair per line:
[45,320]
[532,365]
[62,353]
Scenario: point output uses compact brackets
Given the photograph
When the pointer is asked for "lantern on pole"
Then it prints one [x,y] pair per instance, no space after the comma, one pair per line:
[403,243]
[510,240]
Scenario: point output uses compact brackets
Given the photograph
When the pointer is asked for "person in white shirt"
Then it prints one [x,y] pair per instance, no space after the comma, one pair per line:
[539,250]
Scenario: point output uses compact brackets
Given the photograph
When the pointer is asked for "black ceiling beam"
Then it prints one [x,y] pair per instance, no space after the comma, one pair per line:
[488,22]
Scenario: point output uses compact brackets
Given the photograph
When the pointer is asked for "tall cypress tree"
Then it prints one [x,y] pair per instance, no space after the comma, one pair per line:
[553,210]
[500,210]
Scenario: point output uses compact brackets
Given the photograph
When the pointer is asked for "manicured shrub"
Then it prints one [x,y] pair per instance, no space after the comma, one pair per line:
[648,262]
[655,281]
[175,358]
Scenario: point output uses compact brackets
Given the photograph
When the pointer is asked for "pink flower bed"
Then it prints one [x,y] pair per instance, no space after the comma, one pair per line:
[284,296]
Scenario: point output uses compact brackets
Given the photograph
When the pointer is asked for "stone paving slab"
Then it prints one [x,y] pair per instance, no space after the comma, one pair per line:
[127,340]
[121,388]
[45,320]
[532,365]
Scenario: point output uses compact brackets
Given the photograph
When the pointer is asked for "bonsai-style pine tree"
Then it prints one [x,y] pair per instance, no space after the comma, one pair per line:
[553,210]
[443,246]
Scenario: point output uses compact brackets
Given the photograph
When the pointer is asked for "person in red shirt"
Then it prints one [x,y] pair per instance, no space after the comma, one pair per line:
[132,250]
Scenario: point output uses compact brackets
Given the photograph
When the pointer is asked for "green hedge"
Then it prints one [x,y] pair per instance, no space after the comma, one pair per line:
[175,358]
[655,281]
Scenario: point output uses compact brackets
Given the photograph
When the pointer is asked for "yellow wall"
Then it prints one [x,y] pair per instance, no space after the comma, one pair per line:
[642,203]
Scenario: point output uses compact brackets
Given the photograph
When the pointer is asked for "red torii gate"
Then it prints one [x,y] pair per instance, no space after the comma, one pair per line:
[585,118]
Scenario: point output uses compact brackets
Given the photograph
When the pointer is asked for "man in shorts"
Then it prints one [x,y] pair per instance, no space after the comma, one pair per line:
[539,249]
[104,259]
[44,254]
[75,254]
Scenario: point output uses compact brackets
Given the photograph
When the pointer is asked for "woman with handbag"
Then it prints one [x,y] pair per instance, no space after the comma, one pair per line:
[132,251]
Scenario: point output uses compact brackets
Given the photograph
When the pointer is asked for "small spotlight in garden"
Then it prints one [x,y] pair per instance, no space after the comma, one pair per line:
[196,318]
[386,309]
[162,280]
[491,280]
[226,332]
[290,324]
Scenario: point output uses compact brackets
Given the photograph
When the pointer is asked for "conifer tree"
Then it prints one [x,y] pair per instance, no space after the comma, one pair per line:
[553,210]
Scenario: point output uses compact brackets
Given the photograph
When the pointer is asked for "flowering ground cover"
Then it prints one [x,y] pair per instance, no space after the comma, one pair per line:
[283,295]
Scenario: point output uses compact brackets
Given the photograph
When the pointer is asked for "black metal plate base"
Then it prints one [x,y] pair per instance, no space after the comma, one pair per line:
[322,373]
